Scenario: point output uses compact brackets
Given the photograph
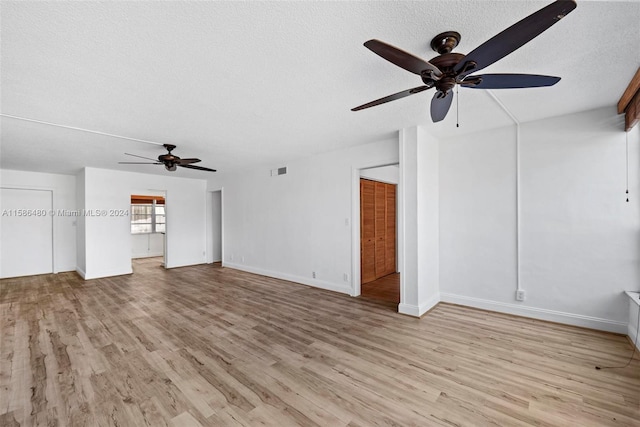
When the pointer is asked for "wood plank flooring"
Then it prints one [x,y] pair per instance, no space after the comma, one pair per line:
[386,288]
[210,346]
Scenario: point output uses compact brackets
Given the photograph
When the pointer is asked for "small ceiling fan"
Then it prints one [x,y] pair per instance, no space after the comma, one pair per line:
[170,161]
[449,69]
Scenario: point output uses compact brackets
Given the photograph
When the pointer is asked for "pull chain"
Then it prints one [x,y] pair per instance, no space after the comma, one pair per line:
[627,163]
[457,106]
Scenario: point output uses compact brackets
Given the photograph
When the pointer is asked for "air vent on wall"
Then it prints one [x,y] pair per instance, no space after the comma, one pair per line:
[279,171]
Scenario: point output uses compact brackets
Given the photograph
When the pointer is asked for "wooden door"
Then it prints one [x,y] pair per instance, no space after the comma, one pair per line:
[367,231]
[381,228]
[377,229]
[390,230]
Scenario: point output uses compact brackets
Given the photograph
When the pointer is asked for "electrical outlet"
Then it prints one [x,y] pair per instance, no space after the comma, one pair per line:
[313,274]
[520,295]
[345,276]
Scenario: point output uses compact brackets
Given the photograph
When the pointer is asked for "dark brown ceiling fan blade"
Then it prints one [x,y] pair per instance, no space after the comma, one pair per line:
[440,105]
[401,58]
[392,97]
[187,161]
[514,37]
[200,168]
[135,155]
[509,81]
[139,163]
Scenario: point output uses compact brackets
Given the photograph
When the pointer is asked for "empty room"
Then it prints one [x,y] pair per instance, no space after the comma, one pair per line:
[320,213]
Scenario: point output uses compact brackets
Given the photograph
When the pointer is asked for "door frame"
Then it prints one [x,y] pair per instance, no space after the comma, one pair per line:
[209,224]
[355,223]
[165,235]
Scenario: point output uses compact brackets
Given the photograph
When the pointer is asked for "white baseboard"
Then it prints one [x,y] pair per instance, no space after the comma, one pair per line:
[633,335]
[291,278]
[108,274]
[538,313]
[81,272]
[147,255]
[189,264]
[634,310]
[419,310]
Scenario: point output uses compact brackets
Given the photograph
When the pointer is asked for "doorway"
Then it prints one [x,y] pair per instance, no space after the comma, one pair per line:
[215,234]
[149,227]
[26,232]
[378,234]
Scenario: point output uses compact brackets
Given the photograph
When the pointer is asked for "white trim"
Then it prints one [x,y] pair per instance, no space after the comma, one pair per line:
[147,255]
[105,275]
[408,309]
[633,335]
[401,216]
[222,225]
[517,185]
[26,119]
[538,313]
[631,326]
[167,228]
[291,278]
[417,311]
[634,296]
[81,273]
[165,195]
[356,280]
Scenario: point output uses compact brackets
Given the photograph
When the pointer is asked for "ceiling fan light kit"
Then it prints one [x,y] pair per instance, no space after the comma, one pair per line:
[449,69]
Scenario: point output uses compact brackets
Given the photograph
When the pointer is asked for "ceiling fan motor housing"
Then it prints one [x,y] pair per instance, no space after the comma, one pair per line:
[169,159]
[445,63]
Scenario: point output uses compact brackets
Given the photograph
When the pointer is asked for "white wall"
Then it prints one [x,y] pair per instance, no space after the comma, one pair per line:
[81,260]
[419,222]
[428,220]
[478,215]
[108,238]
[579,239]
[145,245]
[63,188]
[291,225]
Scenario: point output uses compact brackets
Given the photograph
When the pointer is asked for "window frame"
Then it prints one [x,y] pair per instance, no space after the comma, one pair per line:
[153,223]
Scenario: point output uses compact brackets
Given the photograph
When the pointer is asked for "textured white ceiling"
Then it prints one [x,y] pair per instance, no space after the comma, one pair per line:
[243,83]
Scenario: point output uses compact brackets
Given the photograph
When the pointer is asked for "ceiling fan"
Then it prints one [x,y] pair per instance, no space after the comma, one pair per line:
[449,69]
[170,161]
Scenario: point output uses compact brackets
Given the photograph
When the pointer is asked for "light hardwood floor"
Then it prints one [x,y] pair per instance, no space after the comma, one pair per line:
[206,345]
